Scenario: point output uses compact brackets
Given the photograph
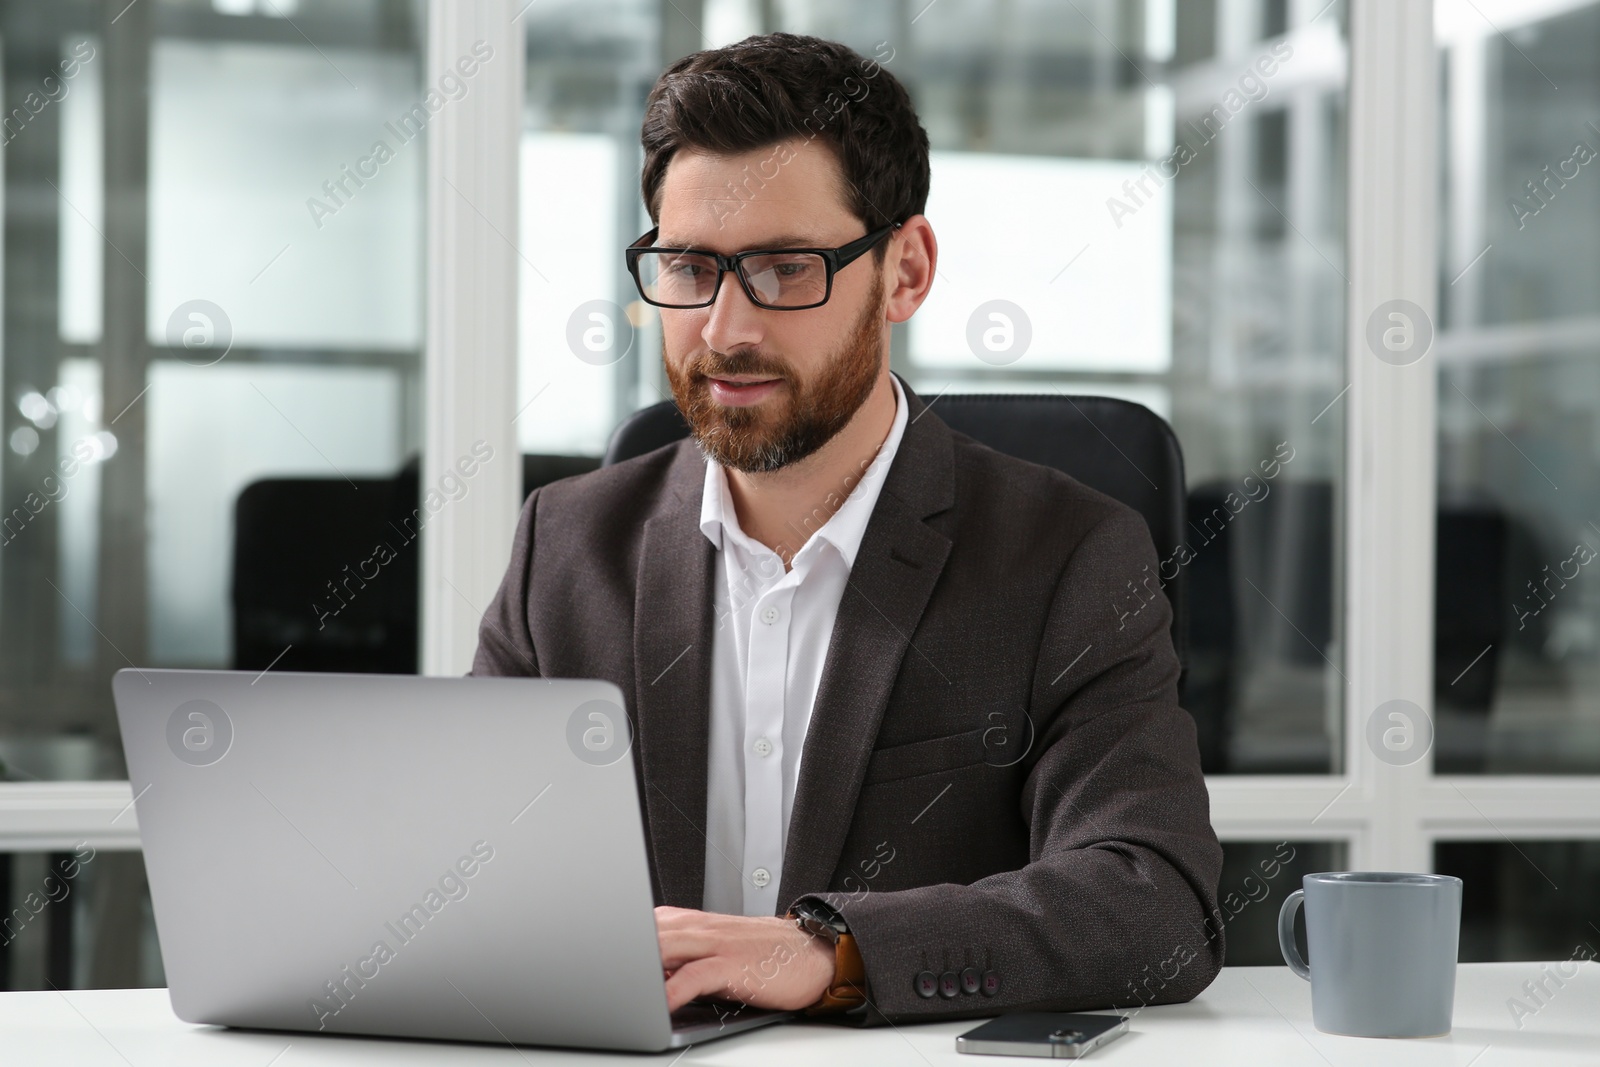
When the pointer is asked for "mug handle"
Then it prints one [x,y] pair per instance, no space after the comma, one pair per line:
[1291,952]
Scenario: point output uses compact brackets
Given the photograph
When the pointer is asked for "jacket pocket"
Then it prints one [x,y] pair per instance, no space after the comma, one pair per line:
[947,753]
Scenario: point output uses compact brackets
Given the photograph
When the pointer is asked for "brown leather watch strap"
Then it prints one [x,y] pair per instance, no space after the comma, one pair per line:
[849,988]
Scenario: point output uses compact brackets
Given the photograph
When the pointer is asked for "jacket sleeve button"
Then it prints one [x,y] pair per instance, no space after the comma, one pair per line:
[971,980]
[991,983]
[949,984]
[926,984]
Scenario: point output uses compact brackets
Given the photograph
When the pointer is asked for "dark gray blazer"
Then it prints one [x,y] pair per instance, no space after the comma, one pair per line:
[998,784]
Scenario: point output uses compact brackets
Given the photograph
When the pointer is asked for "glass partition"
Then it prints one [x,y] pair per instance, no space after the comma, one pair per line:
[212,331]
[1519,390]
[1524,900]
[1137,198]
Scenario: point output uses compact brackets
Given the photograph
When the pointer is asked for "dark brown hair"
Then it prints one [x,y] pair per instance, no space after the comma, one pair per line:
[764,90]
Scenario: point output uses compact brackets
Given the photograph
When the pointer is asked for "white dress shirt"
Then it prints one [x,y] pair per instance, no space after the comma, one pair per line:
[769,641]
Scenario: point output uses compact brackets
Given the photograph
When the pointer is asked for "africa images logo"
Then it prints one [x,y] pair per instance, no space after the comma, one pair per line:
[199,732]
[598,732]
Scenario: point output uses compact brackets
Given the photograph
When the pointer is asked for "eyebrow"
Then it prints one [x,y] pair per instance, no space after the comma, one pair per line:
[781,241]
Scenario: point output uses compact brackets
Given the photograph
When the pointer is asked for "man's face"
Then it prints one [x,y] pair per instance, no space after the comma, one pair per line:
[763,389]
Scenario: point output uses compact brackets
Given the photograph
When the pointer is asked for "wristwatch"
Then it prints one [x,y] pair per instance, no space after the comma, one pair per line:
[849,987]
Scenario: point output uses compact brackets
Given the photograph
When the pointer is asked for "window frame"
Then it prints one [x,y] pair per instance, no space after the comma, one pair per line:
[1388,817]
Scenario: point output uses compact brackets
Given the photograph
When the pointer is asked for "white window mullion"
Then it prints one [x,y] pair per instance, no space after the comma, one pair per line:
[1389,475]
[471,358]
[53,816]
[1501,808]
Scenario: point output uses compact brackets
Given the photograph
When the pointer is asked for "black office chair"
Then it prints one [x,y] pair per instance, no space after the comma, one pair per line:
[1123,449]
[293,536]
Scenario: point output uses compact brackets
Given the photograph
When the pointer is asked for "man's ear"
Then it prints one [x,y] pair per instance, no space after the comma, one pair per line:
[910,263]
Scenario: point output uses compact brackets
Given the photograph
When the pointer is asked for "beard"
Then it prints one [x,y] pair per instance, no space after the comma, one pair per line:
[797,420]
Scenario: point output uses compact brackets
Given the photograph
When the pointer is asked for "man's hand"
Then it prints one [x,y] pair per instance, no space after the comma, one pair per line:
[766,962]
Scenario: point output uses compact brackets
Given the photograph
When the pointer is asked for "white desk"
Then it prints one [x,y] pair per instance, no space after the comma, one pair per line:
[1259,1016]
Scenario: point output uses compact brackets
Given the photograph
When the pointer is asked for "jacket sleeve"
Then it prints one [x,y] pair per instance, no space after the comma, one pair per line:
[505,643]
[1112,909]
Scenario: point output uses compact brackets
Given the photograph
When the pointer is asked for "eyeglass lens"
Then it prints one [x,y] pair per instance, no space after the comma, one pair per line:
[781,279]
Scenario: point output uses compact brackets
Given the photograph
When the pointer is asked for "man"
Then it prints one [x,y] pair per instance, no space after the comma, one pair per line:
[900,757]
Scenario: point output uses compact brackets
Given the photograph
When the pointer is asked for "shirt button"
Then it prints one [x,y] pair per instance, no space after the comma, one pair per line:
[770,614]
[763,747]
[760,877]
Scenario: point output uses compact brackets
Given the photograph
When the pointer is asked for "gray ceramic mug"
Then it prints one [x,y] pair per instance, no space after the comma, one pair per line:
[1383,951]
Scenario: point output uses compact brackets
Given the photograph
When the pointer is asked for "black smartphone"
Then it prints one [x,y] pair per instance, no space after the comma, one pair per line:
[1051,1034]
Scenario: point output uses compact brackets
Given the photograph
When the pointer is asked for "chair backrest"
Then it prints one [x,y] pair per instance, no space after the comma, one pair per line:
[1123,449]
[307,581]
[306,575]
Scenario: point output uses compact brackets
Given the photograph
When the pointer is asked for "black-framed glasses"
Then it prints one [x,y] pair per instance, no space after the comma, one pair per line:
[778,279]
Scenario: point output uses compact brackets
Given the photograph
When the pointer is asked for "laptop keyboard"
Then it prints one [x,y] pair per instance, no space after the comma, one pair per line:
[699,1013]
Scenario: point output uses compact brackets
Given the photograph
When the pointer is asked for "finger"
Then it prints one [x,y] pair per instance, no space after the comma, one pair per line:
[666,915]
[679,947]
[704,977]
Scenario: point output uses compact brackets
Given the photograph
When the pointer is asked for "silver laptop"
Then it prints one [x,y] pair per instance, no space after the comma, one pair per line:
[458,858]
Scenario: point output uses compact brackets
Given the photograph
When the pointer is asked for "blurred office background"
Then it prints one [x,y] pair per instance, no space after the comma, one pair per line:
[225,332]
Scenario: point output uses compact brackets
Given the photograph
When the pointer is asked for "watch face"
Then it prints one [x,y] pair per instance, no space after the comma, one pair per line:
[820,920]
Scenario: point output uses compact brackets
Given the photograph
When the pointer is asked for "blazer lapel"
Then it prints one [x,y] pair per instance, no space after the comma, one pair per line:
[672,681]
[896,568]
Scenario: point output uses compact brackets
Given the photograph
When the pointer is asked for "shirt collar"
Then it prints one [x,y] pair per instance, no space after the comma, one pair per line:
[843,530]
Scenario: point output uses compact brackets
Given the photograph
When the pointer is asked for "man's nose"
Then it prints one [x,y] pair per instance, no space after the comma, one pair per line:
[732,321]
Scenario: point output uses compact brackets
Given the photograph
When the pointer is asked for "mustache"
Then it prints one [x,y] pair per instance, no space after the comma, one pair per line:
[728,365]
